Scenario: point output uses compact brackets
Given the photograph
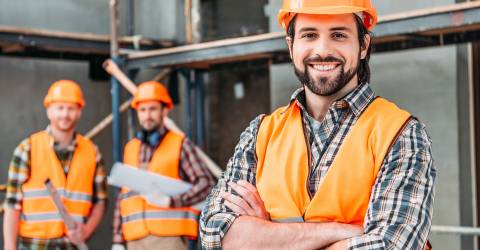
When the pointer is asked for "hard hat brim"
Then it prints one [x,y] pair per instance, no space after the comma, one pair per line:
[135,103]
[284,19]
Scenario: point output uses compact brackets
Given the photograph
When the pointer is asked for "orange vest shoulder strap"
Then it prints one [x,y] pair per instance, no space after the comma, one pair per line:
[385,120]
[130,152]
[272,125]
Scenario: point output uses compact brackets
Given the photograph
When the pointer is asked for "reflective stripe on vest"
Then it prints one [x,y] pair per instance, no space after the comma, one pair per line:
[39,217]
[343,196]
[48,217]
[139,219]
[43,193]
[159,214]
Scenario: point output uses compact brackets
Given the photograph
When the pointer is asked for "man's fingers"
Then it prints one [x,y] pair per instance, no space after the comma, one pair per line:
[248,186]
[238,201]
[235,208]
[247,195]
[260,209]
[253,193]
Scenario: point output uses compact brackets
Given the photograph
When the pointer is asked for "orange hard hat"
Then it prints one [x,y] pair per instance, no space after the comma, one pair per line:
[152,91]
[64,91]
[327,7]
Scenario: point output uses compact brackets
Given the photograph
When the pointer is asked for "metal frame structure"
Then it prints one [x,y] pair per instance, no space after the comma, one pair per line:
[452,24]
[457,23]
[36,43]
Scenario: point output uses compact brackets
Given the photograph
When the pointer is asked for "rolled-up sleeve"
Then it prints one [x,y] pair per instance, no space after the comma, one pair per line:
[399,215]
[216,218]
[18,174]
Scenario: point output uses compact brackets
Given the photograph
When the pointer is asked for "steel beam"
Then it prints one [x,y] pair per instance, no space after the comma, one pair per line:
[438,26]
[23,42]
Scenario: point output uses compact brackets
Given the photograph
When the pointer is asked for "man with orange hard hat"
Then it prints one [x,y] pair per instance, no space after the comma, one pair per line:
[160,222]
[336,168]
[74,166]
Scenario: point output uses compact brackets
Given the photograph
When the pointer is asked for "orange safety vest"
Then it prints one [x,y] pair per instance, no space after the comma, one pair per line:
[140,219]
[343,196]
[39,217]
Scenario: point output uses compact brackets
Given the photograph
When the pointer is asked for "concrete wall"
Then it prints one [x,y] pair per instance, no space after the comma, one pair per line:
[228,18]
[230,115]
[424,82]
[160,19]
[427,88]
[71,16]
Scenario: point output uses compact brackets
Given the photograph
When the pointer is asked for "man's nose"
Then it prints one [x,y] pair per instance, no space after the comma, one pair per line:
[322,47]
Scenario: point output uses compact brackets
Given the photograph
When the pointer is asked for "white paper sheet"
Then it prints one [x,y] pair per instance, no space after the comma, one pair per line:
[145,182]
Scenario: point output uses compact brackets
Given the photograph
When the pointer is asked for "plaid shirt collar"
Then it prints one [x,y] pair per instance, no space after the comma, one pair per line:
[357,100]
[54,144]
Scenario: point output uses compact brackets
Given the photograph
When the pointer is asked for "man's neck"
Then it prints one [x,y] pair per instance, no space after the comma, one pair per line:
[317,105]
[62,138]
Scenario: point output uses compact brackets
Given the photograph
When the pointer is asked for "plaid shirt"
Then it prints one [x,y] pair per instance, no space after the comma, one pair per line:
[19,173]
[400,208]
[192,170]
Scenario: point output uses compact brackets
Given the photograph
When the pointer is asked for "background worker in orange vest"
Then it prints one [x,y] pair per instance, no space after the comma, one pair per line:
[74,166]
[356,167]
[160,222]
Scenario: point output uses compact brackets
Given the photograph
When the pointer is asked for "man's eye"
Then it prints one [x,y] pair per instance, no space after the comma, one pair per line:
[339,36]
[309,35]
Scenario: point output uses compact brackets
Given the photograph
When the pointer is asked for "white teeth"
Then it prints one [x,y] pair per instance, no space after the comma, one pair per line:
[323,67]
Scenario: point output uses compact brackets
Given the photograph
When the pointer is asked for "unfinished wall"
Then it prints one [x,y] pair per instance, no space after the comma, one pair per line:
[229,18]
[230,115]
[427,88]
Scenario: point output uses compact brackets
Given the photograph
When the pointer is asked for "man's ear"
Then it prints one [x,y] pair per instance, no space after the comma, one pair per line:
[49,113]
[79,114]
[165,111]
[289,44]
[364,50]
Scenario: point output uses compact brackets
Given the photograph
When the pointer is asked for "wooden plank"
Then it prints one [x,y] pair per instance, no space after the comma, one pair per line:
[188,21]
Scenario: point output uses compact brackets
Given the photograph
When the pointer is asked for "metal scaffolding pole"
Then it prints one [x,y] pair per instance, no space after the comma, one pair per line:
[199,109]
[188,100]
[473,231]
[115,86]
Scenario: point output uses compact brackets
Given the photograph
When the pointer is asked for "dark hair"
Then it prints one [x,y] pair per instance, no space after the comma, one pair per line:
[363,67]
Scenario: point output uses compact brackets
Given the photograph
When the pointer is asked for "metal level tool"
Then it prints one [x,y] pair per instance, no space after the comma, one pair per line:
[67,218]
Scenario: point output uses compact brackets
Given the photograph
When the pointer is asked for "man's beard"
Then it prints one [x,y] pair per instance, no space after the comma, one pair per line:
[323,86]
[65,125]
[152,128]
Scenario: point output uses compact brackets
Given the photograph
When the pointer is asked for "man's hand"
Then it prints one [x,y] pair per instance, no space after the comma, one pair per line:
[118,247]
[77,235]
[158,200]
[248,202]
